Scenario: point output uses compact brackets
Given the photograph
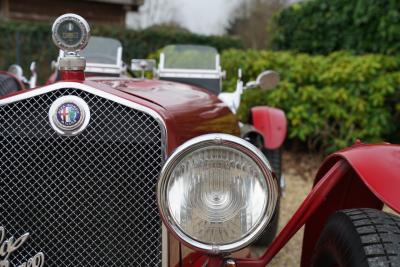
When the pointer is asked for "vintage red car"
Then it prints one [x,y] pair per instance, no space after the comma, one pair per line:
[117,171]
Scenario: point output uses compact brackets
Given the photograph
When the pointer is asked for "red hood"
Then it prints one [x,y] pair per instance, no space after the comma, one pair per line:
[169,95]
[191,110]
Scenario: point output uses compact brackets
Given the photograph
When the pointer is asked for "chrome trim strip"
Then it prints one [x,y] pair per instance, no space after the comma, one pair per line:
[83,87]
[117,99]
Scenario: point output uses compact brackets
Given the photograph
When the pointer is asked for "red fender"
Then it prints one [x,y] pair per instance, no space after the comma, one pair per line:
[271,123]
[376,165]
[362,176]
[374,180]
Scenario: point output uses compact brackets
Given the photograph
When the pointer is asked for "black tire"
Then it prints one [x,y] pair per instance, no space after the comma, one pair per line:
[270,232]
[275,159]
[8,85]
[359,238]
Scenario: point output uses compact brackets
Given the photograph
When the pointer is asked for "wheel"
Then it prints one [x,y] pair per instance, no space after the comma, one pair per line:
[358,238]
[270,232]
[275,159]
[8,85]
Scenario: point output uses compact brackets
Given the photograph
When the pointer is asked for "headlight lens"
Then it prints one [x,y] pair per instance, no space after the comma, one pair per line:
[216,193]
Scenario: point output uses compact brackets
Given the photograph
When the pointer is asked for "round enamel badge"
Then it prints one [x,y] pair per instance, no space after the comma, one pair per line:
[69,115]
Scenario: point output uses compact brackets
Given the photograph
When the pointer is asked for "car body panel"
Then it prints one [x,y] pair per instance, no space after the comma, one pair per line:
[271,123]
[376,165]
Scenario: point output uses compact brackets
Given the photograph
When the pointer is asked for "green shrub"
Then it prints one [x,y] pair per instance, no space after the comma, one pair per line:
[330,101]
[36,44]
[324,26]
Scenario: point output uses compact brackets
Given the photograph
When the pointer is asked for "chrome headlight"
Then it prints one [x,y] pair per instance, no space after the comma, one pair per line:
[216,193]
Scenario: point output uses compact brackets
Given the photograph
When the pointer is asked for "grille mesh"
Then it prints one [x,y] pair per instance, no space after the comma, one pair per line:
[87,200]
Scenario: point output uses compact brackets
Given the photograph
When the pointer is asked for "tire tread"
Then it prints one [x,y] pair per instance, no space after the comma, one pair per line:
[275,159]
[380,235]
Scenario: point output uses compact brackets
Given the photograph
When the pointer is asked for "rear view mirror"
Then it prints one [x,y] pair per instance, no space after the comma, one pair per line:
[268,80]
[143,65]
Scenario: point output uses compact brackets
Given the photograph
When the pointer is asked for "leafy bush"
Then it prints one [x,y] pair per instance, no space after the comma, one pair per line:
[330,101]
[36,44]
[324,26]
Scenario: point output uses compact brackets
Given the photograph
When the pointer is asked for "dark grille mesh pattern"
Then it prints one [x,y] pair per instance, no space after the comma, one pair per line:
[87,200]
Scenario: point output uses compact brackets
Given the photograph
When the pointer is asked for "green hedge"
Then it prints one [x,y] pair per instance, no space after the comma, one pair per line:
[324,26]
[36,44]
[330,101]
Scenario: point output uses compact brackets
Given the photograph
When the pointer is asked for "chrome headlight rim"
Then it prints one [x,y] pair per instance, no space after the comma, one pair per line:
[229,141]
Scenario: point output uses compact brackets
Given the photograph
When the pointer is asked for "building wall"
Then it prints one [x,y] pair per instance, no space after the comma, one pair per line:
[48,10]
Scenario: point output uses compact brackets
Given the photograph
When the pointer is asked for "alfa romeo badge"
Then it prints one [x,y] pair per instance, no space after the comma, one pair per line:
[69,115]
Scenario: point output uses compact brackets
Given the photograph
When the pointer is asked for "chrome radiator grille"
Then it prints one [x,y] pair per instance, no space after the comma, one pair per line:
[87,200]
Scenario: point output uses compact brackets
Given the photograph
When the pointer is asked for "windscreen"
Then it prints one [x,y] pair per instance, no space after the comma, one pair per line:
[190,57]
[101,50]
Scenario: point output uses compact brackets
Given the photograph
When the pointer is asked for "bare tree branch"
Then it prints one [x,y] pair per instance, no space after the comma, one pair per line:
[253,21]
[155,12]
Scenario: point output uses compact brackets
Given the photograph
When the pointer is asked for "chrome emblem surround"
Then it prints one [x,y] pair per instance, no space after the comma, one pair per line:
[7,247]
[69,115]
